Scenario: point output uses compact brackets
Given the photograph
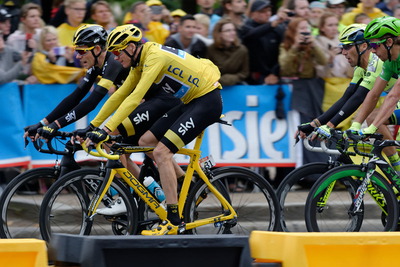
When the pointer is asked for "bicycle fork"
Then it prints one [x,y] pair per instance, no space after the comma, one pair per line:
[359,196]
[367,186]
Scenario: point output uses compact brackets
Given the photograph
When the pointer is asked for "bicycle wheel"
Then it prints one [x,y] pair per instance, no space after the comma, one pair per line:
[252,197]
[20,203]
[292,196]
[330,202]
[65,205]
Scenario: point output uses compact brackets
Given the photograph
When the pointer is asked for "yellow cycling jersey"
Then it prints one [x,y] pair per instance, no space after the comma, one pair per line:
[163,68]
[373,71]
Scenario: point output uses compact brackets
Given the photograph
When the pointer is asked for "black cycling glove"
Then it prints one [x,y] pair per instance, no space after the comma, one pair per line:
[97,135]
[305,128]
[82,132]
[48,131]
[32,129]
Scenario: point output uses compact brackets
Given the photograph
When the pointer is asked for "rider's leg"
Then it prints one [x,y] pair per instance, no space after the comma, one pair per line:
[390,151]
[148,139]
[127,162]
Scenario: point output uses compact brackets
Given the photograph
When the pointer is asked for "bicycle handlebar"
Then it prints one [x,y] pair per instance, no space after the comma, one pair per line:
[357,138]
[99,151]
[323,148]
[38,144]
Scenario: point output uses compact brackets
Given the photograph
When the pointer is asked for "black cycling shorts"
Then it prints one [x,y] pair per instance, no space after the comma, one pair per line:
[147,113]
[179,126]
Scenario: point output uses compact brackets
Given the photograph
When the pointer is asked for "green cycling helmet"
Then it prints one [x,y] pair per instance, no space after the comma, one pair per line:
[353,33]
[382,26]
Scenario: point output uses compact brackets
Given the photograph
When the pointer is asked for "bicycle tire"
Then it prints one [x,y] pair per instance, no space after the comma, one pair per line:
[292,212]
[256,203]
[65,206]
[20,203]
[336,216]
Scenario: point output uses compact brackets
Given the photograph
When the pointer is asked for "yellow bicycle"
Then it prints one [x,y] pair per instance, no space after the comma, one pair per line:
[222,200]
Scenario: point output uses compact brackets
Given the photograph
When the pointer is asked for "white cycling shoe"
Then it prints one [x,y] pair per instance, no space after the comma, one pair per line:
[117,208]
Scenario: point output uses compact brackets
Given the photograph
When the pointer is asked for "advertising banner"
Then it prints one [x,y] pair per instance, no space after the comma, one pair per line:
[256,137]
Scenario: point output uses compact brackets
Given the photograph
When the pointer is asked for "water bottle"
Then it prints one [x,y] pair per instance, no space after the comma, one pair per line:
[154,188]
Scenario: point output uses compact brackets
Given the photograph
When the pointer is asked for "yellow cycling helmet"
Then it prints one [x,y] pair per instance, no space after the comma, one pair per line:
[121,36]
[353,33]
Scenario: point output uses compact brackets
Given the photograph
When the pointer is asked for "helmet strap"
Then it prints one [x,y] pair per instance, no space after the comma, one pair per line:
[96,61]
[388,48]
[134,62]
[360,54]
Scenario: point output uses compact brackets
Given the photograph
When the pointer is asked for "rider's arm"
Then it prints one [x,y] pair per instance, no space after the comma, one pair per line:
[67,104]
[145,77]
[83,108]
[112,74]
[370,101]
[132,101]
[115,100]
[388,106]
[350,106]
[72,99]
[328,115]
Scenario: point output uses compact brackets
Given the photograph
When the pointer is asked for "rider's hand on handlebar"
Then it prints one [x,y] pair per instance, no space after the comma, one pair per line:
[323,132]
[304,130]
[96,136]
[48,131]
[31,130]
[80,134]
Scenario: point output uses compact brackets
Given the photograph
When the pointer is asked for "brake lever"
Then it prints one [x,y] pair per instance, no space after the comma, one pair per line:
[26,141]
[297,139]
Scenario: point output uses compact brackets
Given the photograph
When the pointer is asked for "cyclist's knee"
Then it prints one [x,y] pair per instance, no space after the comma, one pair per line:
[148,139]
[162,153]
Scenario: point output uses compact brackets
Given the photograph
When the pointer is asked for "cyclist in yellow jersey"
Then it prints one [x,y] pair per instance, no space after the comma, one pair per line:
[155,69]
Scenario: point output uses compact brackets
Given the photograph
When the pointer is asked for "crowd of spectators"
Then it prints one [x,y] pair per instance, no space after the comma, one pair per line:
[251,45]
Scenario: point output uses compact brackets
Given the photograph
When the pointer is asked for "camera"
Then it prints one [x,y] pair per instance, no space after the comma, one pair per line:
[305,34]
[291,13]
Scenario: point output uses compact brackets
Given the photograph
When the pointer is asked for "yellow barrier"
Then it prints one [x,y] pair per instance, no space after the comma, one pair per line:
[23,253]
[326,249]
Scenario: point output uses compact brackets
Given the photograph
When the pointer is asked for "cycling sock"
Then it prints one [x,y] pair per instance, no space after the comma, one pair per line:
[173,214]
[395,161]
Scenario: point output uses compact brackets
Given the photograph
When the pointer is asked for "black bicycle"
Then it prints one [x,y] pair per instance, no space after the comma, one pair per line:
[21,199]
[292,193]
[352,198]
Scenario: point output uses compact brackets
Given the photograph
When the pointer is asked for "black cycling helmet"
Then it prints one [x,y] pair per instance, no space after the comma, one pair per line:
[90,35]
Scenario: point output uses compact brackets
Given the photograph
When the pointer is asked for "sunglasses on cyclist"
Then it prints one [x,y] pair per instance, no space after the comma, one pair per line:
[348,46]
[83,51]
[118,52]
[375,45]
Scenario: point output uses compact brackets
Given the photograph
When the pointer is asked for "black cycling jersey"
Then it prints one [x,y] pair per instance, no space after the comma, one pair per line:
[72,109]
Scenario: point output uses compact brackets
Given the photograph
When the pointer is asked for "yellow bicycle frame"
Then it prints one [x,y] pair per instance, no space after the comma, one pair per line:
[194,155]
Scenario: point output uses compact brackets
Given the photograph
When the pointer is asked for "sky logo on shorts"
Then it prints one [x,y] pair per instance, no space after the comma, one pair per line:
[186,127]
[141,117]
